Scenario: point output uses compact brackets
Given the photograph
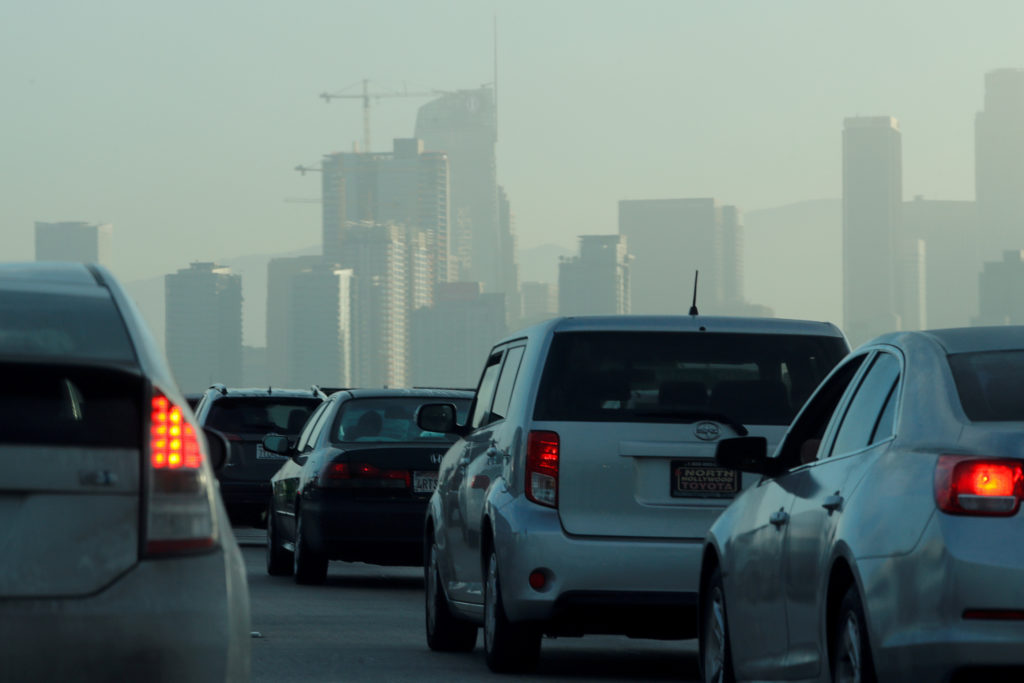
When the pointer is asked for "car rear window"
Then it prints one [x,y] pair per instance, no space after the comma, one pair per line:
[69,406]
[46,325]
[261,415]
[664,376]
[390,419]
[989,385]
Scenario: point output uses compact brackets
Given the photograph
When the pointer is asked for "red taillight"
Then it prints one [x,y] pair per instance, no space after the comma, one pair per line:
[363,475]
[179,507]
[542,468]
[967,485]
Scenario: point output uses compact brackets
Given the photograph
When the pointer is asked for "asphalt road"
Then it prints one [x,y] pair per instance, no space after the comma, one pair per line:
[366,624]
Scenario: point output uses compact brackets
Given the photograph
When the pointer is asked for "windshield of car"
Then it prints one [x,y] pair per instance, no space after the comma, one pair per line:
[86,327]
[261,415]
[989,385]
[656,376]
[379,420]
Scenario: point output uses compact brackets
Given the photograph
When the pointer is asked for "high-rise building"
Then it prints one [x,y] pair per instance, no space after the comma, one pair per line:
[408,187]
[376,253]
[672,239]
[507,251]
[280,329]
[540,302]
[320,317]
[73,241]
[999,163]
[451,339]
[596,282]
[204,326]
[999,288]
[953,261]
[872,204]
[463,124]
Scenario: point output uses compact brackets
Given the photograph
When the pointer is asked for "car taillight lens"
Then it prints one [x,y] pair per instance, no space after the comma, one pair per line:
[363,475]
[542,468]
[179,507]
[967,485]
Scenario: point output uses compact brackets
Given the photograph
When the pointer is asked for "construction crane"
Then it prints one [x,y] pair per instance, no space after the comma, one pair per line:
[366,96]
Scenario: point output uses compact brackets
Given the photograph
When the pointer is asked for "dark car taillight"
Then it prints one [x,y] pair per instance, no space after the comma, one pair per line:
[179,506]
[542,468]
[968,485]
[362,475]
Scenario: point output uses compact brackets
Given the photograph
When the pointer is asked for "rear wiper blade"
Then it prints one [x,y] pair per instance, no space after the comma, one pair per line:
[694,415]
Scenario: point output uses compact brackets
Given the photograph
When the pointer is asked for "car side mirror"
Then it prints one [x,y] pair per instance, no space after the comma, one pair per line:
[437,417]
[746,454]
[275,443]
[217,448]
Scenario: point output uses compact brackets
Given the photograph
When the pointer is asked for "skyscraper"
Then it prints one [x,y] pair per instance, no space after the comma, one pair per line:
[999,163]
[872,203]
[73,241]
[280,325]
[204,326]
[597,281]
[999,287]
[320,317]
[671,239]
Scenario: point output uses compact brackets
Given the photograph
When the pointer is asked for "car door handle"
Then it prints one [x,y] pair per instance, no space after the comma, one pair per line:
[779,517]
[833,502]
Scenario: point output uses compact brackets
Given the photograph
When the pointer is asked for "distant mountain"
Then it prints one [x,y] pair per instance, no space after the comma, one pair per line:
[793,259]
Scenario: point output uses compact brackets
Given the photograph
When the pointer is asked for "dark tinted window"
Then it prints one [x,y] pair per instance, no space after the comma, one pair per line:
[507,381]
[751,378]
[62,326]
[989,385]
[865,409]
[66,406]
[485,392]
[252,415]
[389,419]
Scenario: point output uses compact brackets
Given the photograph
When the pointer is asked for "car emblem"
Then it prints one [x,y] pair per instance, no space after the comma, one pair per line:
[707,431]
[436,458]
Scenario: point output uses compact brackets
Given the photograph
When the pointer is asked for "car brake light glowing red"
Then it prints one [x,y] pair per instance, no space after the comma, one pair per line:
[542,451]
[337,470]
[173,443]
[363,475]
[967,485]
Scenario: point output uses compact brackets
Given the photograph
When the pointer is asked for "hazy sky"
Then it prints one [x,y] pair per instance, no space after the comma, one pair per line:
[180,123]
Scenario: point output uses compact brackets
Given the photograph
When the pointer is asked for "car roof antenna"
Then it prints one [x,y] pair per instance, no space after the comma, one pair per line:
[693,306]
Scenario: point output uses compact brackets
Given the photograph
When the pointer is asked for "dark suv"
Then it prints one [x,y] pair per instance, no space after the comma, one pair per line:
[245,416]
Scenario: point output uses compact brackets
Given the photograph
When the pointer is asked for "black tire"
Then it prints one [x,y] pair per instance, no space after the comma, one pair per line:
[310,567]
[279,559]
[851,649]
[715,647]
[445,632]
[509,647]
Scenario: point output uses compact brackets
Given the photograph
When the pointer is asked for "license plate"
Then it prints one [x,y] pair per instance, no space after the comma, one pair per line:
[424,482]
[263,454]
[703,479]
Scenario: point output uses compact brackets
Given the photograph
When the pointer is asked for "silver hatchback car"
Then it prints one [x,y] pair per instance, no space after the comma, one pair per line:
[884,540]
[578,495]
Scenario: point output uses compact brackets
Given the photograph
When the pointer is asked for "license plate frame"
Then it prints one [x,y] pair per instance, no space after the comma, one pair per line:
[702,479]
[424,482]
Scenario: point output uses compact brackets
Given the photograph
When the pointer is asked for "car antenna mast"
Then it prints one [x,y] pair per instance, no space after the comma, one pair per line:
[693,306]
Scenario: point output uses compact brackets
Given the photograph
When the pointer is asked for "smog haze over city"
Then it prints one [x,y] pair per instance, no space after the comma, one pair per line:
[182,124]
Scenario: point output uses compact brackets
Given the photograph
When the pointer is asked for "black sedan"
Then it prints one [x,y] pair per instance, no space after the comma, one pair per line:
[356,482]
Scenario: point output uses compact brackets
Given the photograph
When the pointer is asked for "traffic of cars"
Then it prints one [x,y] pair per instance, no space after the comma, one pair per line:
[806,512]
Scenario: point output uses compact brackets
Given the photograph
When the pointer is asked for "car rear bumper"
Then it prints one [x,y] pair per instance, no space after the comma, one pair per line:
[164,620]
[378,531]
[632,586]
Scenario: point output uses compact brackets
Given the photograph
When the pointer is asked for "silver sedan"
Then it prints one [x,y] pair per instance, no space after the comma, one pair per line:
[885,538]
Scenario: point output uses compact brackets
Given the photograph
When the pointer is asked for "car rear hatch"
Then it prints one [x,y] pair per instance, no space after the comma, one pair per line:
[387,471]
[638,416]
[71,440]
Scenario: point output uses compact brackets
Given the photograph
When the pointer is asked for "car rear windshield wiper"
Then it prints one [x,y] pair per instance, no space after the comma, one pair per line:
[694,415]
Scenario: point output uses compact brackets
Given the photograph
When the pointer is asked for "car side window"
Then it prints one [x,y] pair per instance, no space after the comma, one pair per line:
[311,423]
[887,420]
[485,391]
[506,383]
[864,411]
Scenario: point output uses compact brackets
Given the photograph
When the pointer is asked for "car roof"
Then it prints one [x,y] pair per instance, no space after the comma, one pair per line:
[221,391]
[39,274]
[412,392]
[968,339]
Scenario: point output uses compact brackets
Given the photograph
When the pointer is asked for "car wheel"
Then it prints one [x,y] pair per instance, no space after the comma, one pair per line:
[715,649]
[509,647]
[310,566]
[851,650]
[279,560]
[445,632]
